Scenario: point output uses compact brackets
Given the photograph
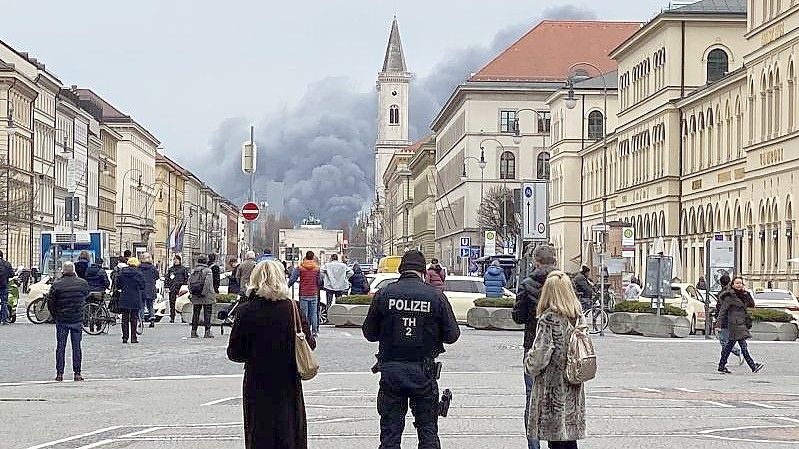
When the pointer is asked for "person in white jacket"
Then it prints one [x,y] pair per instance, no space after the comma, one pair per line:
[335,279]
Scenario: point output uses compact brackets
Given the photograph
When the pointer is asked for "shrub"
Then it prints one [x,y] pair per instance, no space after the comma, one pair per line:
[645,307]
[355,300]
[226,299]
[777,316]
[502,303]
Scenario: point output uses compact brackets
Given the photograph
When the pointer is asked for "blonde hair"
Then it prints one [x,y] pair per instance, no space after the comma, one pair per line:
[268,281]
[146,257]
[133,262]
[558,296]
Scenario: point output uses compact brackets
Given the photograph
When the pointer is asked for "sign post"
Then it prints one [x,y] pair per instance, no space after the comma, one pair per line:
[720,260]
[628,242]
[535,225]
[490,243]
[658,280]
[465,252]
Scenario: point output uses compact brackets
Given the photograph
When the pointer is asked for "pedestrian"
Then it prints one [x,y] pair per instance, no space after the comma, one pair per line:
[557,407]
[263,338]
[358,283]
[35,274]
[25,278]
[435,275]
[633,291]
[150,275]
[176,277]
[216,275]
[233,286]
[494,280]
[412,320]
[67,301]
[203,296]
[524,312]
[244,271]
[6,273]
[130,283]
[732,316]
[267,255]
[98,282]
[308,276]
[583,288]
[84,260]
[724,333]
[335,279]
[701,284]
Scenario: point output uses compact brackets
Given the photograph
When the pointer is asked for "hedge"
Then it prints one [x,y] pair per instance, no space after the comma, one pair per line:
[645,307]
[226,299]
[777,316]
[355,300]
[502,303]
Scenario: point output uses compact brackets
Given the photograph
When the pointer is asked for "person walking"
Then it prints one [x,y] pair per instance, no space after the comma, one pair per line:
[233,281]
[723,334]
[130,283]
[97,278]
[84,260]
[358,283]
[412,320]
[583,288]
[67,301]
[176,277]
[524,312]
[263,338]
[435,275]
[494,280]
[203,296]
[733,317]
[150,275]
[308,276]
[244,271]
[25,279]
[216,276]
[267,255]
[633,290]
[701,284]
[6,273]
[557,407]
[335,278]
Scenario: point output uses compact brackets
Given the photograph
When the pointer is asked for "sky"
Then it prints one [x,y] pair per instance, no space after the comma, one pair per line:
[197,73]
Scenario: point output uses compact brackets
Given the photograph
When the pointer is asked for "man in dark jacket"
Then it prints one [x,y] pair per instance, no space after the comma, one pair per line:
[176,276]
[97,278]
[524,311]
[6,273]
[583,289]
[82,264]
[66,303]
[215,273]
[412,321]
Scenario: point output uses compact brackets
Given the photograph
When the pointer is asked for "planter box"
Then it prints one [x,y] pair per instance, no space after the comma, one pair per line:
[650,325]
[771,331]
[188,310]
[492,318]
[345,315]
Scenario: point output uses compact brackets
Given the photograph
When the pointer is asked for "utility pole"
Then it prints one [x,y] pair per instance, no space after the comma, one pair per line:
[249,157]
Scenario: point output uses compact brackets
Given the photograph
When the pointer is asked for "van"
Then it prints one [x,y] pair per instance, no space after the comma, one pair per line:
[389,264]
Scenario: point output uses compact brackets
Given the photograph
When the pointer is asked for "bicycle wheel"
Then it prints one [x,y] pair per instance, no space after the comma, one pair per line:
[95,319]
[597,320]
[37,311]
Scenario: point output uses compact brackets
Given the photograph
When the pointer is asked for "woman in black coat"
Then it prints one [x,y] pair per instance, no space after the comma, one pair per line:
[263,338]
[130,282]
[358,283]
[732,315]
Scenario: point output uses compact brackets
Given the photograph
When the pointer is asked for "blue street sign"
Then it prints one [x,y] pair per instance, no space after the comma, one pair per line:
[465,251]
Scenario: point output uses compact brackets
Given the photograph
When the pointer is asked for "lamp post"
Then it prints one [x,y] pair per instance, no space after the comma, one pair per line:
[122,202]
[571,102]
[517,136]
[504,189]
[70,174]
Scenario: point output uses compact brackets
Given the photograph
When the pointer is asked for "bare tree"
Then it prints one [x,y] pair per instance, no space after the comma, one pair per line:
[496,213]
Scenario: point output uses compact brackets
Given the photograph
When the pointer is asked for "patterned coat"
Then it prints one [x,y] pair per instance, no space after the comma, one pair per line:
[557,408]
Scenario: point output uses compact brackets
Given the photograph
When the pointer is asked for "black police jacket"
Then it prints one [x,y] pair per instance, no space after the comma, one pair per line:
[411,320]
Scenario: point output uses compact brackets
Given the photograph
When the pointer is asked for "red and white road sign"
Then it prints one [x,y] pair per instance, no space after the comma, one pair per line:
[250,211]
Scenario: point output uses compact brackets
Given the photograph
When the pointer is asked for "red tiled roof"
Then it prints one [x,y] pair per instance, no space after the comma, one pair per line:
[412,148]
[547,51]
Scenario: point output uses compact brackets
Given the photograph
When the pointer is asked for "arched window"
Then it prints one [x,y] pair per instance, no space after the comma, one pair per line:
[595,125]
[507,166]
[543,165]
[717,65]
[393,115]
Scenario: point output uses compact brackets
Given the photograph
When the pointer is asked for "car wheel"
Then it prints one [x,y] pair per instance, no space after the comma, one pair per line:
[323,314]
[693,325]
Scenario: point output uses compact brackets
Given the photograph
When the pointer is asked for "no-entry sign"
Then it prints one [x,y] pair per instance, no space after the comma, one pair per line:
[250,211]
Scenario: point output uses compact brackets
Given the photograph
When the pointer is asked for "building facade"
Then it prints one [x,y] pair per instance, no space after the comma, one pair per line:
[422,166]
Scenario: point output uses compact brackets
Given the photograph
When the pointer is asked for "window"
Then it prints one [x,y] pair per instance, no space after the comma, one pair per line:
[544,121]
[595,125]
[717,65]
[507,166]
[506,121]
[393,115]
[543,165]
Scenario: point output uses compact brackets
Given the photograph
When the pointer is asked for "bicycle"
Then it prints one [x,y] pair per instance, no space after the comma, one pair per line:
[37,310]
[96,316]
[596,316]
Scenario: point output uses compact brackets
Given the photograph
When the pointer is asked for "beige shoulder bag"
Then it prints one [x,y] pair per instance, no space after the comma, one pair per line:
[306,362]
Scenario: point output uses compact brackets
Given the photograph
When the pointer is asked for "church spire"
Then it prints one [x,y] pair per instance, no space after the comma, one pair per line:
[394,61]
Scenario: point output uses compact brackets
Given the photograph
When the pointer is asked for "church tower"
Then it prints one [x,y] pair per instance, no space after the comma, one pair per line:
[393,83]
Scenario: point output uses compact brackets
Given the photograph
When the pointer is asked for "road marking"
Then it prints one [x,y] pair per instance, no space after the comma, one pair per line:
[141,432]
[219,401]
[718,404]
[759,404]
[650,390]
[96,444]
[75,437]
[687,390]
[785,418]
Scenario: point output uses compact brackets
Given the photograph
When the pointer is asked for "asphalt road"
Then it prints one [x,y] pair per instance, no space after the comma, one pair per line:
[172,392]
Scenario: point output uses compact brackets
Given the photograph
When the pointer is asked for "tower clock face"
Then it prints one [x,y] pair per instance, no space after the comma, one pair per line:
[394,93]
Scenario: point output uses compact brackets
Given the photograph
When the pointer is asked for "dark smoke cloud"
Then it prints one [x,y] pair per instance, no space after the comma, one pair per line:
[322,148]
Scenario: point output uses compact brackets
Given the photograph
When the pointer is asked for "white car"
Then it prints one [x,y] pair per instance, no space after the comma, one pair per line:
[688,298]
[783,300]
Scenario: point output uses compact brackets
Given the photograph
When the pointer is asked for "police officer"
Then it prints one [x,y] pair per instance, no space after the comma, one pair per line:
[411,320]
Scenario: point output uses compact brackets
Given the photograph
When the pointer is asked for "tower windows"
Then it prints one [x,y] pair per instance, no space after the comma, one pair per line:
[393,115]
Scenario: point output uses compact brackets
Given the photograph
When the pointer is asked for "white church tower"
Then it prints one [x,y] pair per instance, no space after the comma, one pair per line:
[393,84]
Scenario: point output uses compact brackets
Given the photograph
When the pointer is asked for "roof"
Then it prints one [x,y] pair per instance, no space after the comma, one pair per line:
[394,62]
[611,80]
[713,6]
[414,147]
[547,51]
[109,111]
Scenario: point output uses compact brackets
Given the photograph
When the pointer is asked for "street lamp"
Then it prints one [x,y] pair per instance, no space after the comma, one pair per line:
[122,202]
[571,102]
[504,189]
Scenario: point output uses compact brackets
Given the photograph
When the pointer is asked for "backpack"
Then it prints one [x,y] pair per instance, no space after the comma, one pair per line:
[580,355]
[197,282]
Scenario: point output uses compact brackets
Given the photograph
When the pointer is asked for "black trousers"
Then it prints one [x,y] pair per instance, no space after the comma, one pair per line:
[195,317]
[173,296]
[403,384]
[129,320]
[562,444]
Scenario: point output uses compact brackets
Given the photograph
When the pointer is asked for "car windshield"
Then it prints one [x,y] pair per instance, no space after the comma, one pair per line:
[464,286]
[773,296]
[384,282]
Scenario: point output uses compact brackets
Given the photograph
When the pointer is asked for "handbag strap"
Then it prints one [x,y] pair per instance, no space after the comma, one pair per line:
[297,327]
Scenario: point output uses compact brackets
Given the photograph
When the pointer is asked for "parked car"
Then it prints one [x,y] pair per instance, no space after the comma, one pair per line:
[380,280]
[776,299]
[688,298]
